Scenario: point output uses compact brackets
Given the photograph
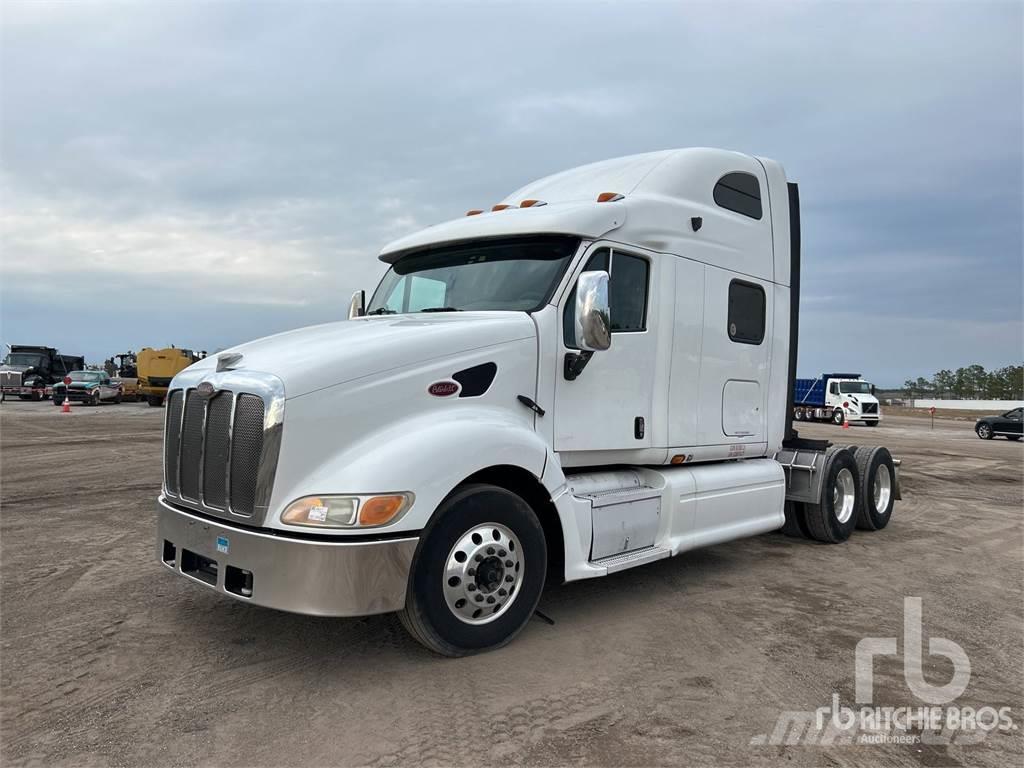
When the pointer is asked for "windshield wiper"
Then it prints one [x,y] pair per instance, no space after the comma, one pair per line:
[382,311]
[441,309]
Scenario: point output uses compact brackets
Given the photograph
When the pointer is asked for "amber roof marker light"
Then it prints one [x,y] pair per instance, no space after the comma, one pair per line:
[532,204]
[474,212]
[609,197]
[502,207]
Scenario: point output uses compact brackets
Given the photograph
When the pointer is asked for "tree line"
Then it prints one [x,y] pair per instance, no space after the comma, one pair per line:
[970,383]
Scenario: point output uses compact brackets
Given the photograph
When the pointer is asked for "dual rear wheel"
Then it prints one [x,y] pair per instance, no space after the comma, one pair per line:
[858,491]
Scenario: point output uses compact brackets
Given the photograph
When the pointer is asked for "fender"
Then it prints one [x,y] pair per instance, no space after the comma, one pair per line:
[425,454]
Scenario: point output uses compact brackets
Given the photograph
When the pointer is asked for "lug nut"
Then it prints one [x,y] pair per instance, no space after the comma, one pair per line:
[490,599]
[509,579]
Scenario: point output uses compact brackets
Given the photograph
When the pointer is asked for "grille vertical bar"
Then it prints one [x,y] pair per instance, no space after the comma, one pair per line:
[246,450]
[217,447]
[172,435]
[192,444]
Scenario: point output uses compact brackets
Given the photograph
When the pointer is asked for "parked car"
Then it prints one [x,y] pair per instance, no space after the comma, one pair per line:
[1009,425]
[89,387]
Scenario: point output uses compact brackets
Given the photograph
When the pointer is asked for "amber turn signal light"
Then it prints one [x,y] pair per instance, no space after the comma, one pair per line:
[382,509]
[609,197]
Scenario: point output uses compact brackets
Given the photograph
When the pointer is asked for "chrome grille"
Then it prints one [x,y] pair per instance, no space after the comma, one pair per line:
[217,450]
[245,454]
[220,452]
[191,444]
[172,434]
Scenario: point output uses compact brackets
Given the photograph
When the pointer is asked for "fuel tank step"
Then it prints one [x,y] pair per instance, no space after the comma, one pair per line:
[636,557]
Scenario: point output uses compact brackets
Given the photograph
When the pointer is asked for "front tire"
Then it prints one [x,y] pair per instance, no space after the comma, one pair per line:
[464,596]
[984,431]
[94,399]
[838,417]
[155,401]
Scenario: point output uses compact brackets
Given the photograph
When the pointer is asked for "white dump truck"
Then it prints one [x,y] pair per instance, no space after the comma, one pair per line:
[593,374]
[836,397]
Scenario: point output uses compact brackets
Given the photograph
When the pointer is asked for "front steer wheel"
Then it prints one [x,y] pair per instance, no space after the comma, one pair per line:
[477,574]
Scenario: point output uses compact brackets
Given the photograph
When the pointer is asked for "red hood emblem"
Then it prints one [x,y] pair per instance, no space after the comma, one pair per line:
[444,388]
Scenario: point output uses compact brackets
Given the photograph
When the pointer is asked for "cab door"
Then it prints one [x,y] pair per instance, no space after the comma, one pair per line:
[608,406]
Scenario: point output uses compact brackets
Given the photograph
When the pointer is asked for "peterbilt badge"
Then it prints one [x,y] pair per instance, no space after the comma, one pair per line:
[206,389]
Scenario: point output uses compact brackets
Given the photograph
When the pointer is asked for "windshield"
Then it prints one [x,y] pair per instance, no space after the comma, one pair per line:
[85,375]
[855,388]
[23,360]
[515,274]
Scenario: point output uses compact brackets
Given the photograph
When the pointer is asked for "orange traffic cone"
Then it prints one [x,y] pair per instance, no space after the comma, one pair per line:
[846,424]
[66,408]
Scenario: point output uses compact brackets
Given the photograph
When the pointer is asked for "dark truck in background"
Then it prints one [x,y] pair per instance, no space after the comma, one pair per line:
[30,371]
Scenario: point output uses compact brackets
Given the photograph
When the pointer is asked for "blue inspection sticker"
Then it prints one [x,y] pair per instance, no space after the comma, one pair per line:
[222,544]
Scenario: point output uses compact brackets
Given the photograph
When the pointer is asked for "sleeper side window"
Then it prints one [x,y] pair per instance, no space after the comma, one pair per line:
[740,193]
[627,293]
[746,312]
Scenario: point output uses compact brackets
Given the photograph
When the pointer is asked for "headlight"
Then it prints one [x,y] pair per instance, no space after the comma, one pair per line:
[346,511]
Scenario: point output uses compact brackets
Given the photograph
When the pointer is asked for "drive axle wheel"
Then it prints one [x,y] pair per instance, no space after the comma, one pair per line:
[877,487]
[834,517]
[477,574]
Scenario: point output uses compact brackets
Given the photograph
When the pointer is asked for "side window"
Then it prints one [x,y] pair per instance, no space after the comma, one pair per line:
[627,293]
[834,387]
[739,192]
[746,312]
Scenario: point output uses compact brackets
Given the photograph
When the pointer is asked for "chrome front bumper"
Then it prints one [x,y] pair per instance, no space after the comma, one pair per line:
[320,578]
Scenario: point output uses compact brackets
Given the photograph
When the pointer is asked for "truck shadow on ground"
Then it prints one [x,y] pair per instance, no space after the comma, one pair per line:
[253,631]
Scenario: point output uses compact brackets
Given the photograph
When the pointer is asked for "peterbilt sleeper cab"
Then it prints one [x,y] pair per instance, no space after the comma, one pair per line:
[594,374]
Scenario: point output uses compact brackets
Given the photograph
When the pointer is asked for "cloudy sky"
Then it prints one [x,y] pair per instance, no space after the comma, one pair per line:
[203,174]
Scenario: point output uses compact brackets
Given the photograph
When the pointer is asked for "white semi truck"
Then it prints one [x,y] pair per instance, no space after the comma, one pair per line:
[592,375]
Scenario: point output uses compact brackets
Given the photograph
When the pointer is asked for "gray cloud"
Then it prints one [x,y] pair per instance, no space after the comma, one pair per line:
[211,173]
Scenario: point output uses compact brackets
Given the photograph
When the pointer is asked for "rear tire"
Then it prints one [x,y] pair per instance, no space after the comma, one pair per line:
[117,399]
[1015,438]
[834,517]
[795,525]
[877,487]
[454,605]
[57,401]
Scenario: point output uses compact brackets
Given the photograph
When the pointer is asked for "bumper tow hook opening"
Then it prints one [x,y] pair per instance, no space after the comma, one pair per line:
[238,581]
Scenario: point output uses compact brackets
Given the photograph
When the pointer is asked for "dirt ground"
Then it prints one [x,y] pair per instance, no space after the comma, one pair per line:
[109,659]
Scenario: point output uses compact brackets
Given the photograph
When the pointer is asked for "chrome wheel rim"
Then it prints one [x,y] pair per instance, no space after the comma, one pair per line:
[843,495]
[984,430]
[483,573]
[882,488]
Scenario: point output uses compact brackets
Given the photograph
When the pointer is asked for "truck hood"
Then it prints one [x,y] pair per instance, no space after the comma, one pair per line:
[17,368]
[321,356]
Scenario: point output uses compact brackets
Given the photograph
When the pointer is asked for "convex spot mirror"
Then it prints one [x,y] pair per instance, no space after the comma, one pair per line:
[593,315]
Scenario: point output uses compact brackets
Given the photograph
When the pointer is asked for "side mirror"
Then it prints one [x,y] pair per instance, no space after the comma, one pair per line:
[593,315]
[872,389]
[357,306]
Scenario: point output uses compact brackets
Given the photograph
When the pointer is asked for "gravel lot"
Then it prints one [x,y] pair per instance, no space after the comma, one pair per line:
[109,659]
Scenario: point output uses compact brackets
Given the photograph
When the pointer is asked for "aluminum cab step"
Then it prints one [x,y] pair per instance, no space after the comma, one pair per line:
[625,560]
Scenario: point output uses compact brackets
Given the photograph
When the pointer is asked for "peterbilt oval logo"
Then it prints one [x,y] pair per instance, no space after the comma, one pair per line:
[444,388]
[205,389]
